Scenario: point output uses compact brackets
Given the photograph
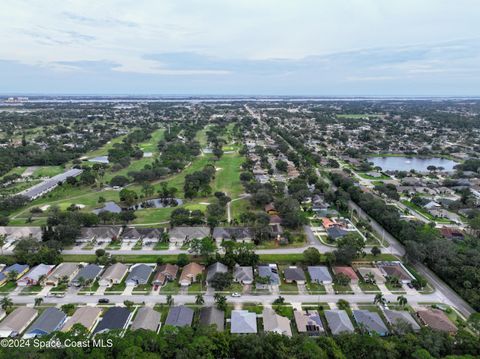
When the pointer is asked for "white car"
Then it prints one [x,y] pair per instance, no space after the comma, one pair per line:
[236,295]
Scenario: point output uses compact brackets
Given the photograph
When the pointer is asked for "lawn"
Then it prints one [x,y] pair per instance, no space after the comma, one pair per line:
[8,287]
[195,288]
[103,151]
[424,212]
[227,178]
[288,288]
[120,287]
[342,289]
[315,288]
[170,288]
[368,287]
[48,171]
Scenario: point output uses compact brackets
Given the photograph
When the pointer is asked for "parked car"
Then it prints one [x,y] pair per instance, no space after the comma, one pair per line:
[104,300]
[235,294]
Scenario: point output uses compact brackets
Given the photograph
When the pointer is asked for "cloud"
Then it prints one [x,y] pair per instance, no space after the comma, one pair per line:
[94,21]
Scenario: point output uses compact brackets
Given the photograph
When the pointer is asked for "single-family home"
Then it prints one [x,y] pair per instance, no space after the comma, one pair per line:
[369,273]
[436,320]
[190,273]
[396,269]
[139,274]
[88,273]
[147,319]
[49,321]
[243,274]
[401,320]
[370,322]
[99,234]
[215,268]
[212,316]
[114,318]
[270,209]
[336,232]
[113,275]
[452,233]
[64,271]
[17,321]
[338,321]
[309,322]
[294,274]
[347,271]
[181,235]
[19,269]
[146,234]
[272,322]
[180,316]
[267,276]
[237,234]
[86,316]
[35,275]
[165,272]
[320,274]
[243,322]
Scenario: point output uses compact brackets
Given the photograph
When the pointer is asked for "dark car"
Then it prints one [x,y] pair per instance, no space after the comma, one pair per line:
[104,300]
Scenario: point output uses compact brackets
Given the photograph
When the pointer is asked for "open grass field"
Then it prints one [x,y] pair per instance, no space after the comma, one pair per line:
[227,178]
[48,171]
[103,151]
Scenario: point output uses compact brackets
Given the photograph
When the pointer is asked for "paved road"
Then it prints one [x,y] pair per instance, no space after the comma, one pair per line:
[267,299]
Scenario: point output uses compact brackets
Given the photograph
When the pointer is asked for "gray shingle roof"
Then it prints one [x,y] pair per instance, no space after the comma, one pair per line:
[265,271]
[213,316]
[397,318]
[146,318]
[139,274]
[188,233]
[371,321]
[114,318]
[294,274]
[233,233]
[338,321]
[90,271]
[49,321]
[319,274]
[243,322]
[180,316]
[216,268]
[243,274]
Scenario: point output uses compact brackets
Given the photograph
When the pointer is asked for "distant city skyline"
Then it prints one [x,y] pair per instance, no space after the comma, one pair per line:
[262,48]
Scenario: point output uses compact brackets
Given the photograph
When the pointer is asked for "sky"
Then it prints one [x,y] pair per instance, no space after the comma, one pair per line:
[241,47]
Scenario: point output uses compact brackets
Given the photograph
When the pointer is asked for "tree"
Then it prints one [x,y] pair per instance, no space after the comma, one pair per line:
[129,304]
[221,281]
[380,299]
[204,247]
[220,301]
[342,304]
[199,299]
[349,247]
[128,196]
[375,251]
[312,256]
[342,279]
[402,300]
[169,300]
[279,300]
[182,260]
[6,303]
[370,278]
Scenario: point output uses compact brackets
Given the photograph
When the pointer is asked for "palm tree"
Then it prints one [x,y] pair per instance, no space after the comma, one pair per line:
[6,303]
[169,300]
[221,301]
[402,301]
[12,276]
[38,301]
[380,299]
[199,299]
[370,278]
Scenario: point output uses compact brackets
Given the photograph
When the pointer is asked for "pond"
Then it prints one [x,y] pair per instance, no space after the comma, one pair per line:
[401,163]
[158,203]
[108,207]
[99,159]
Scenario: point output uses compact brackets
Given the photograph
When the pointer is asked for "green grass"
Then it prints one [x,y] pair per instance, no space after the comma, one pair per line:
[382,177]
[315,288]
[288,288]
[48,171]
[8,287]
[227,178]
[196,288]
[368,287]
[170,288]
[424,212]
[103,151]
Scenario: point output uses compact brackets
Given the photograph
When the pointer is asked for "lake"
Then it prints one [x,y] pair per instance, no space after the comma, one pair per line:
[394,163]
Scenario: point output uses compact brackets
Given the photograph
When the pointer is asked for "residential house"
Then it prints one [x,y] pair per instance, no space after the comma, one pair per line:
[339,322]
[336,232]
[16,233]
[19,269]
[88,273]
[49,321]
[320,275]
[99,234]
[436,320]
[243,322]
[237,234]
[370,321]
[17,321]
[180,316]
[243,275]
[147,319]
[190,273]
[270,209]
[400,320]
[309,322]
[166,272]
[396,269]
[181,235]
[86,316]
[115,318]
[348,271]
[64,271]
[146,234]
[215,268]
[139,274]
[275,220]
[294,274]
[113,275]
[366,272]
[267,276]
[35,275]
[452,233]
[212,316]
[272,322]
